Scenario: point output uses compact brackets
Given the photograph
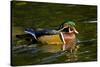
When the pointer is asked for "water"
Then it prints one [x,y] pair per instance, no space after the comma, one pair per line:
[86,52]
